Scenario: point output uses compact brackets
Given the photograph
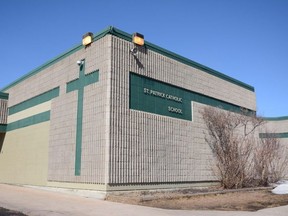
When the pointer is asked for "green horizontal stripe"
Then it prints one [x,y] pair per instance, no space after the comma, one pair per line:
[4,95]
[3,128]
[32,120]
[273,135]
[282,118]
[46,96]
[88,79]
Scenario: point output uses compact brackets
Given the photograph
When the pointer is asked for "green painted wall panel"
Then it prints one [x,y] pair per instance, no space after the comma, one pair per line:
[36,119]
[3,128]
[4,95]
[276,135]
[282,118]
[154,96]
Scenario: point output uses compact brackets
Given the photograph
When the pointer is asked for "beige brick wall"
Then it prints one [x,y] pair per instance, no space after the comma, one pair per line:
[277,126]
[149,148]
[61,72]
[61,133]
[3,111]
[119,145]
[95,128]
[280,126]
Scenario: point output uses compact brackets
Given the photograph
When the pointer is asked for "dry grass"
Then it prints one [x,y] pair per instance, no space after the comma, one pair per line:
[239,201]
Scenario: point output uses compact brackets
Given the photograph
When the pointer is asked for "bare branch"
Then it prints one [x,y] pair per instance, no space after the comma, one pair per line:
[241,158]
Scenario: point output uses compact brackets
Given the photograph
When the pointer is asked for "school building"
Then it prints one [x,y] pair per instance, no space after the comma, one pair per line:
[115,113]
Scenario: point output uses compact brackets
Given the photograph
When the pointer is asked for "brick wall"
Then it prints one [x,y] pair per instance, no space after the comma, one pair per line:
[3,111]
[147,148]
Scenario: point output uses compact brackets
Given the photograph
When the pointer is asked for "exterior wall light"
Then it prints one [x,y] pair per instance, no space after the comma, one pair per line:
[138,39]
[80,62]
[134,51]
[87,38]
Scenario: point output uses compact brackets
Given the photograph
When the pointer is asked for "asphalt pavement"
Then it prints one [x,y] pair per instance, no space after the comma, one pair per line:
[40,202]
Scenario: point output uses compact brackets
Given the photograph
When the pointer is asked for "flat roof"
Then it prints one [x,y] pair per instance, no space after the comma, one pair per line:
[128,37]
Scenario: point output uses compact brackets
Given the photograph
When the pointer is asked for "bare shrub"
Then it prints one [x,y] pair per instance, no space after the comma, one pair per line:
[231,136]
[270,160]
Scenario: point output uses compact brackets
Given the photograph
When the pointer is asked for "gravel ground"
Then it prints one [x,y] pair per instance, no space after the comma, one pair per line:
[247,200]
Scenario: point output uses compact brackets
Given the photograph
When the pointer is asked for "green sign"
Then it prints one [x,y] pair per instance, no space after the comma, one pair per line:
[153,96]
[161,98]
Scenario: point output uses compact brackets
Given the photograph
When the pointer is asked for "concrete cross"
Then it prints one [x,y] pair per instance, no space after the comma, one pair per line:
[79,85]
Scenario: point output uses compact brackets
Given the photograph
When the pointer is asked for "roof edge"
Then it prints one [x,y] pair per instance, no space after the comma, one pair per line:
[128,37]
[184,60]
[42,67]
[55,60]
[280,118]
[201,67]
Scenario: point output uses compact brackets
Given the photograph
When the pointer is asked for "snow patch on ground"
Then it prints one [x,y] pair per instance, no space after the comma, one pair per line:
[282,188]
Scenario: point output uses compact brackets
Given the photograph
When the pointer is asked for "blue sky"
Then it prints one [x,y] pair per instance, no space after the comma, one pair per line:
[244,39]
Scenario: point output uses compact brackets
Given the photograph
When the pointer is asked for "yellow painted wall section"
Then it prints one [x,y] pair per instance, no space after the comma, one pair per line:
[24,155]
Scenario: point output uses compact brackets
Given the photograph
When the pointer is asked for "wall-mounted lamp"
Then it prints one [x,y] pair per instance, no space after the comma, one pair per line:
[87,38]
[138,39]
[134,51]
